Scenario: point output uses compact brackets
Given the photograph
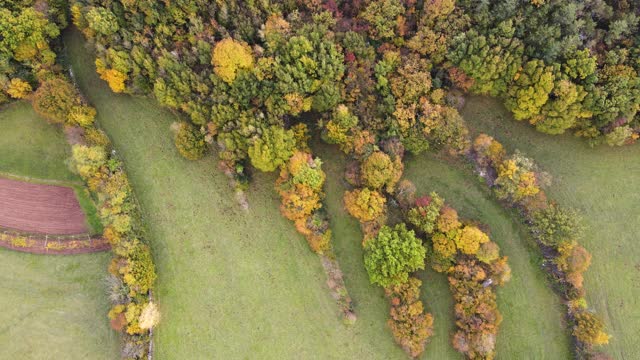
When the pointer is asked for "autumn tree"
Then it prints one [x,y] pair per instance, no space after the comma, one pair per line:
[530,91]
[230,56]
[365,204]
[55,100]
[378,171]
[190,141]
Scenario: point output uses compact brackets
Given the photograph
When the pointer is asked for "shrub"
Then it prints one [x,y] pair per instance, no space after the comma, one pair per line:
[149,317]
[488,252]
[555,225]
[589,329]
[364,204]
[619,136]
[82,115]
[392,255]
[406,193]
[19,89]
[190,141]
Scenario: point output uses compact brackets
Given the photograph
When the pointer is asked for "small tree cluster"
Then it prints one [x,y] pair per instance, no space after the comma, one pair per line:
[410,325]
[474,266]
[300,187]
[59,102]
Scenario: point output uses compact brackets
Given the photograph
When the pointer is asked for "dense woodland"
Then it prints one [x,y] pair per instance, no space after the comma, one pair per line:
[378,78]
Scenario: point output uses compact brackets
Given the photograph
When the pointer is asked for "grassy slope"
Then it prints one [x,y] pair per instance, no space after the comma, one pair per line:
[532,326]
[602,183]
[30,146]
[231,284]
[54,307]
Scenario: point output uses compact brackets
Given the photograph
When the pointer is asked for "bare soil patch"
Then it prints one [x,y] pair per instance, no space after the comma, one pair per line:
[42,209]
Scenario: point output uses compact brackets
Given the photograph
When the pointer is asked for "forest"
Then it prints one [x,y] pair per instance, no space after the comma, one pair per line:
[255,84]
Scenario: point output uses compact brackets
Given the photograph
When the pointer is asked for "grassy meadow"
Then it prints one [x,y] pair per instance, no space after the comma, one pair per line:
[602,183]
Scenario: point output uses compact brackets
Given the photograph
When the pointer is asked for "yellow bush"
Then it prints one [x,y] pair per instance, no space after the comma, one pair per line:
[470,240]
[19,89]
[365,204]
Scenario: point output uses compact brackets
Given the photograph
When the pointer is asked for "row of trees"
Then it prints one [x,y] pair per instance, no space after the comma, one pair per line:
[517,182]
[132,271]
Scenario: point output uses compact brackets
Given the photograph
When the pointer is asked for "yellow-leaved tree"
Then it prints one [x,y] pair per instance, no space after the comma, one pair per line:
[229,56]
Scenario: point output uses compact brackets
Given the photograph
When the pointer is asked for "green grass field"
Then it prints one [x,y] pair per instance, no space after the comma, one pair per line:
[602,183]
[30,146]
[54,307]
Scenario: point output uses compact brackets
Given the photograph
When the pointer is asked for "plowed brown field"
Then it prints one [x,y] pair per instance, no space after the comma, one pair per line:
[37,208]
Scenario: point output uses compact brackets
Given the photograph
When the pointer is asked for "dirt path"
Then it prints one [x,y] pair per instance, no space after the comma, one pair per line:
[41,209]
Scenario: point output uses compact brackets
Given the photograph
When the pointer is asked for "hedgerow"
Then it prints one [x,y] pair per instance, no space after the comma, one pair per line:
[517,181]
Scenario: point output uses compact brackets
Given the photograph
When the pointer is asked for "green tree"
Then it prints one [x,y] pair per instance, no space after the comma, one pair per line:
[530,91]
[555,225]
[392,255]
[190,142]
[102,20]
[563,110]
[272,149]
[382,17]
